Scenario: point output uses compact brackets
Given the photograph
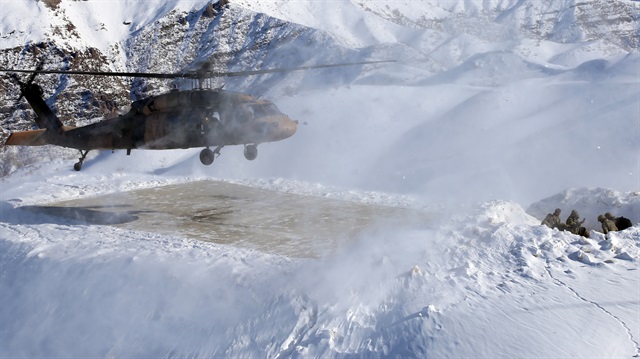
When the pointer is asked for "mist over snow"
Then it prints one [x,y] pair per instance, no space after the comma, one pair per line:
[523,141]
[494,114]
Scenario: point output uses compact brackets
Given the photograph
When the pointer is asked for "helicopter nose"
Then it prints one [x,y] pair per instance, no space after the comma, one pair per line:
[277,128]
[288,127]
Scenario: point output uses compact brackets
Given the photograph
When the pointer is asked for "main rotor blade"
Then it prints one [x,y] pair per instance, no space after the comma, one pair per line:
[96,73]
[291,69]
[194,74]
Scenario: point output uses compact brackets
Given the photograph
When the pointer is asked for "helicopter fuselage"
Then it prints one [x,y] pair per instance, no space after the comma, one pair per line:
[185,119]
[177,119]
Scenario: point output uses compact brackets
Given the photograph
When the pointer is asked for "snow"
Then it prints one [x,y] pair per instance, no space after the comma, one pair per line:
[20,29]
[100,24]
[508,132]
[345,20]
[125,293]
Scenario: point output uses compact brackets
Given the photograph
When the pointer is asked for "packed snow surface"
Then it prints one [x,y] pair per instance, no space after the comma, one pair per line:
[510,130]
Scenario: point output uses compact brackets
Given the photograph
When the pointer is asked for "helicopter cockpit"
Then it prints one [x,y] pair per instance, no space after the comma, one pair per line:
[265,109]
[254,111]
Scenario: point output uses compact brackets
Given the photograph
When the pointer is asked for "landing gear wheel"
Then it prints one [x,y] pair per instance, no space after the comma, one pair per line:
[251,152]
[83,155]
[207,156]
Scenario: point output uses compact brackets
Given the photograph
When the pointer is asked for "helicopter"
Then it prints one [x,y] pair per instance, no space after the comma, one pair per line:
[178,119]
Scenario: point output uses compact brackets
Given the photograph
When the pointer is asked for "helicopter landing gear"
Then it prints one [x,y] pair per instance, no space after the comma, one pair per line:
[251,152]
[207,156]
[78,166]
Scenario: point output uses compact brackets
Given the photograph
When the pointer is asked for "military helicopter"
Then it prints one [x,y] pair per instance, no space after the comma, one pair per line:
[179,119]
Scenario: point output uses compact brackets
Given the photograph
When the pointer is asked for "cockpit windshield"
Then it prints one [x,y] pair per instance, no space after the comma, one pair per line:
[266,109]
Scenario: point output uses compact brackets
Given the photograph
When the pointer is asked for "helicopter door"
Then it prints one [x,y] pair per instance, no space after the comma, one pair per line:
[155,130]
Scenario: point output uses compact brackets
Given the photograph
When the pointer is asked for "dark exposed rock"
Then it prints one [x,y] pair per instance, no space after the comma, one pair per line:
[52,4]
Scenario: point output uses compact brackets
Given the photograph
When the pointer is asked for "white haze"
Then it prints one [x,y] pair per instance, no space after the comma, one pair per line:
[494,136]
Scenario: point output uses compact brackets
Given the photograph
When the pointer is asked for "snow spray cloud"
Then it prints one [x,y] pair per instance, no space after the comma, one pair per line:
[184,298]
[104,291]
[128,293]
[480,121]
[523,141]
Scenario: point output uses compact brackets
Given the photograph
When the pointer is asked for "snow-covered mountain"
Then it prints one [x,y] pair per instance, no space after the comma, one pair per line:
[495,113]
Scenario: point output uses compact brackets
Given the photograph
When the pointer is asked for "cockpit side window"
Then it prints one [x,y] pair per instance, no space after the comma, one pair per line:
[267,109]
[243,113]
